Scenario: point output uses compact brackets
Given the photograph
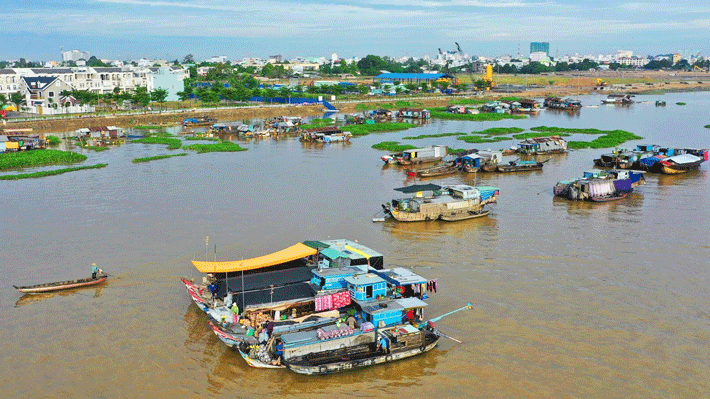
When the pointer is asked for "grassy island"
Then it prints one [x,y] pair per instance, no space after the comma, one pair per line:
[172,143]
[607,139]
[27,159]
[363,130]
[440,112]
[148,159]
[224,146]
[393,146]
[50,172]
[426,136]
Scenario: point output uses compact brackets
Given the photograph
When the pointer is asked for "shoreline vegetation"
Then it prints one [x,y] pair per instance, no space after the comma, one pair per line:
[50,172]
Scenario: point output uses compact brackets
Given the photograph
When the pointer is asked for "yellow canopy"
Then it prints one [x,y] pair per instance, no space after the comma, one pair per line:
[293,252]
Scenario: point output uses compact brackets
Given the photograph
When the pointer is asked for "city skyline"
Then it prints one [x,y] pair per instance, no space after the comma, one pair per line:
[170,29]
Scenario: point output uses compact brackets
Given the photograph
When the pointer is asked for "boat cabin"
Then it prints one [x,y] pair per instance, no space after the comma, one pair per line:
[334,278]
[410,284]
[338,249]
[394,311]
[366,287]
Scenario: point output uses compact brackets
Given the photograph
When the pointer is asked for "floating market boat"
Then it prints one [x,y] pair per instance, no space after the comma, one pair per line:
[564,104]
[327,134]
[199,121]
[618,99]
[449,203]
[62,285]
[422,155]
[619,158]
[671,160]
[542,145]
[660,103]
[363,350]
[476,161]
[441,170]
[521,166]
[598,186]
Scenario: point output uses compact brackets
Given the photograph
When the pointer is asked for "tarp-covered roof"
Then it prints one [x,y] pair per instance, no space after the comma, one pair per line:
[418,187]
[291,253]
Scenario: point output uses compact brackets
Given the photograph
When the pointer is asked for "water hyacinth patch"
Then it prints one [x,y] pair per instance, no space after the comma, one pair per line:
[148,159]
[50,172]
[172,143]
[426,136]
[26,159]
[224,146]
[393,146]
[362,130]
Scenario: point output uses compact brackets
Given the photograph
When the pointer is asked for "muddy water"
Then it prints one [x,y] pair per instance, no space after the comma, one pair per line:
[572,299]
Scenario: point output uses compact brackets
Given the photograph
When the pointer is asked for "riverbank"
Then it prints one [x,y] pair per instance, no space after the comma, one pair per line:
[584,85]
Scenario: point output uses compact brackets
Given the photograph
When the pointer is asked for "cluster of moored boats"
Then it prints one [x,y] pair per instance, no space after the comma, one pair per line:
[654,159]
[630,168]
[317,307]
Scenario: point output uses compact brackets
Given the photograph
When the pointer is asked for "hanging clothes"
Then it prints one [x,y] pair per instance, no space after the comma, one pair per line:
[436,285]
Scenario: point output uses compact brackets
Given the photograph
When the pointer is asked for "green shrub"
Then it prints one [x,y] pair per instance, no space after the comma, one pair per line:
[53,140]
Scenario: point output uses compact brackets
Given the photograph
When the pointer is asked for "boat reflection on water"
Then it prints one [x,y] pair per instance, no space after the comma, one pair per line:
[682,179]
[487,227]
[632,201]
[571,113]
[27,299]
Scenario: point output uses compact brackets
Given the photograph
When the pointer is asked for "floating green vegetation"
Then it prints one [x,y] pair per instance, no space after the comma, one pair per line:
[530,135]
[401,104]
[198,138]
[148,159]
[479,139]
[426,136]
[94,148]
[510,98]
[157,134]
[456,151]
[707,126]
[224,146]
[441,113]
[50,172]
[608,138]
[469,101]
[362,130]
[173,144]
[680,103]
[26,159]
[393,146]
[53,140]
[147,127]
[499,131]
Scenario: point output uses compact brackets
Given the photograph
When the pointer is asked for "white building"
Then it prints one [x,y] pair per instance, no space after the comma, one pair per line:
[100,80]
[75,55]
[217,59]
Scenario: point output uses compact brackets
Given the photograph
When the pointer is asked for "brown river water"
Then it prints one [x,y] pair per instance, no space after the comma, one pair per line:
[571,299]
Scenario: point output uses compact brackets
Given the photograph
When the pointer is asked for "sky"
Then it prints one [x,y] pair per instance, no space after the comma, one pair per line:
[38,30]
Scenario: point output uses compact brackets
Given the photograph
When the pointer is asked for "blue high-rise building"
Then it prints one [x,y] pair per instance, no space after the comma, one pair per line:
[540,46]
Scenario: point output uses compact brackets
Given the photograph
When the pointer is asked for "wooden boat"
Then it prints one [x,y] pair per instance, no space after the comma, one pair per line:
[613,197]
[61,285]
[404,340]
[678,164]
[256,363]
[441,170]
[444,202]
[422,155]
[463,215]
[521,166]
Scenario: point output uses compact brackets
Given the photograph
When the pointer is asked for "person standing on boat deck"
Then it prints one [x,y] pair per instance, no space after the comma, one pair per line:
[94,270]
[213,290]
[235,313]
[351,322]
[383,344]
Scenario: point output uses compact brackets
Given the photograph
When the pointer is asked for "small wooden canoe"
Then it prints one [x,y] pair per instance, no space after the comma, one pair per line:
[609,198]
[61,285]
[455,217]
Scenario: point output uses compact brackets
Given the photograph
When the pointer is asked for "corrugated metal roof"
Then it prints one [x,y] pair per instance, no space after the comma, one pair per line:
[51,71]
[7,71]
[410,303]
